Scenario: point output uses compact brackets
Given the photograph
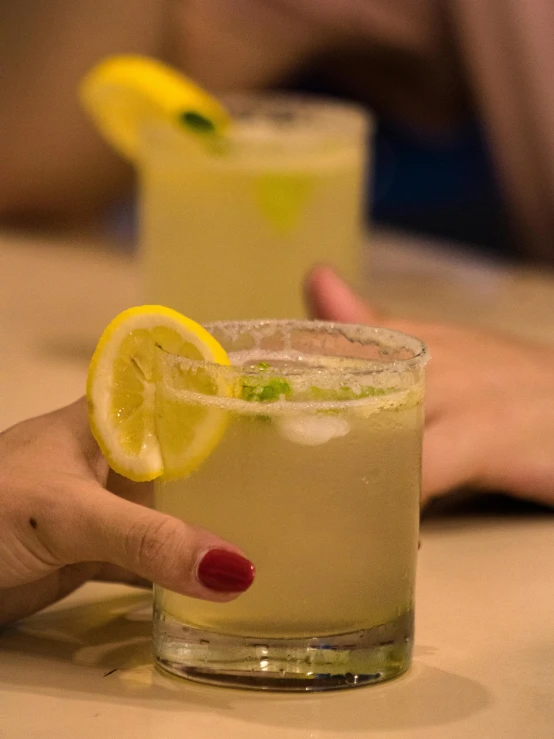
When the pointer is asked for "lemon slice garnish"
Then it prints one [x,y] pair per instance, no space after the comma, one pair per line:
[144,430]
[123,93]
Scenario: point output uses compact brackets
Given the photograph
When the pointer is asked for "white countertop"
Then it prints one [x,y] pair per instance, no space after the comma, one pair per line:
[484,655]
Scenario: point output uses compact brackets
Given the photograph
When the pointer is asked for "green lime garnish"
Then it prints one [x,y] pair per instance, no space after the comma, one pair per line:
[274,389]
[282,198]
[197,122]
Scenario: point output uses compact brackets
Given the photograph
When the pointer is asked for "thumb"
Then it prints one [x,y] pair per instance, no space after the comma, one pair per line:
[95,525]
[330,298]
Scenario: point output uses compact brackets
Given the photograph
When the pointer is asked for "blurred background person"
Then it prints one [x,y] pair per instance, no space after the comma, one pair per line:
[461,90]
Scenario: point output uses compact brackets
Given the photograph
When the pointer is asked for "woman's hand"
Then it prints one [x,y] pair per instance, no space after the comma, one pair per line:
[489,403]
[60,526]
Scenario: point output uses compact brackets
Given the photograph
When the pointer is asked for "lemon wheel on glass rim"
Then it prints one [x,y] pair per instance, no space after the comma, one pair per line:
[144,431]
[121,93]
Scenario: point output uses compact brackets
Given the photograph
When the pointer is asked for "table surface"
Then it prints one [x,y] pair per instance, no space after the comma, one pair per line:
[484,655]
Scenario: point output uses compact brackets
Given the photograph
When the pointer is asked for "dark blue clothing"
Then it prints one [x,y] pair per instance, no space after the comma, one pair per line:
[442,185]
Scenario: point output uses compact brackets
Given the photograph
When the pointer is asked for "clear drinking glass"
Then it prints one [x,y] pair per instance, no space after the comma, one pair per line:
[316,477]
[230,227]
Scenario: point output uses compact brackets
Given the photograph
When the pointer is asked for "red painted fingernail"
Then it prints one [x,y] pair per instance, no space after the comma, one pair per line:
[225,571]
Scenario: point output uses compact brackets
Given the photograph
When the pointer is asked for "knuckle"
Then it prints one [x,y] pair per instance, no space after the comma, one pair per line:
[151,544]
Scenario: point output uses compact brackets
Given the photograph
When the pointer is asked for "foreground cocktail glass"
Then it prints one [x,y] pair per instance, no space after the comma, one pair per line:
[230,227]
[317,478]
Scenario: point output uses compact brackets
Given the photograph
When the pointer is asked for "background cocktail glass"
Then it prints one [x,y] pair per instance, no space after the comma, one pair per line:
[230,227]
[317,479]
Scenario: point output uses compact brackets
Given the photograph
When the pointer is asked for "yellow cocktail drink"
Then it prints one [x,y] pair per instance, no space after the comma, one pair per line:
[230,226]
[317,479]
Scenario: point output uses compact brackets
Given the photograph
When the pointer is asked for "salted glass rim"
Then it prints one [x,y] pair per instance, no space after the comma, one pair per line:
[329,116]
[315,122]
[355,333]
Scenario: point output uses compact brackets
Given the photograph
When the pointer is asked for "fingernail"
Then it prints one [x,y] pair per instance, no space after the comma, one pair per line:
[225,571]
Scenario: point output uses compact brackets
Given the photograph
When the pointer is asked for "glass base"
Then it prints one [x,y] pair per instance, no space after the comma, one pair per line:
[306,664]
